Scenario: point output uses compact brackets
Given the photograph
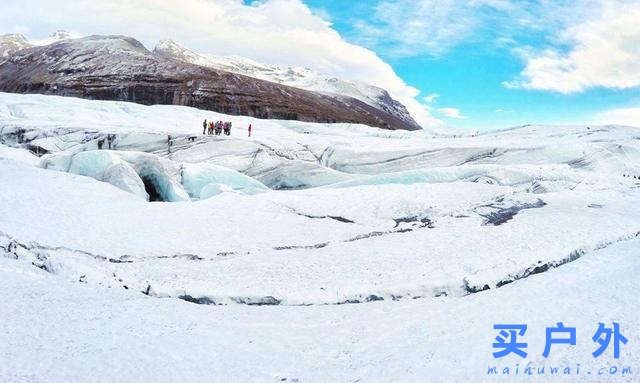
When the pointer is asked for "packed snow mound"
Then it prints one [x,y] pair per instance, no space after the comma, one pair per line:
[123,176]
[512,175]
[152,177]
[161,177]
[92,163]
[213,189]
[108,167]
[297,155]
[293,172]
[143,174]
[20,155]
[197,177]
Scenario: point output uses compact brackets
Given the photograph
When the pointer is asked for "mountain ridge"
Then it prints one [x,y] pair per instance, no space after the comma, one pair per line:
[297,77]
[120,68]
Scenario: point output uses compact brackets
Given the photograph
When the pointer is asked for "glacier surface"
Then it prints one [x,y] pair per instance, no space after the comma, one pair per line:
[308,252]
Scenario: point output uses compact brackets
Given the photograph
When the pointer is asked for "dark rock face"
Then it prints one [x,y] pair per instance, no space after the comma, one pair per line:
[302,78]
[121,68]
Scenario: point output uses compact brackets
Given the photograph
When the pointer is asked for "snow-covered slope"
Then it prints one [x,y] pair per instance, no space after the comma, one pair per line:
[390,261]
[303,78]
[118,335]
[11,43]
[57,36]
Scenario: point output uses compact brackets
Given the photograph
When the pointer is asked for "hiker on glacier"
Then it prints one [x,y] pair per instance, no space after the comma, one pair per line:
[249,129]
[204,126]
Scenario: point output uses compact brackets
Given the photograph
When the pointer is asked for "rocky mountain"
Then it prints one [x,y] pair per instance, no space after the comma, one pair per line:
[59,35]
[14,42]
[11,43]
[121,68]
[303,78]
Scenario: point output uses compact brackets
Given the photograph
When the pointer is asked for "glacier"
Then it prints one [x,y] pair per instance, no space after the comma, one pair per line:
[374,254]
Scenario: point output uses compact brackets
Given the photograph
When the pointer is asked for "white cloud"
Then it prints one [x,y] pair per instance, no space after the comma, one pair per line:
[407,28]
[604,51]
[430,98]
[620,116]
[577,44]
[283,32]
[452,113]
[20,29]
[322,13]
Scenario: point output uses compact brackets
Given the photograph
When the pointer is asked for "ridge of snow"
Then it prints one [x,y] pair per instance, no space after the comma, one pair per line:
[57,36]
[13,42]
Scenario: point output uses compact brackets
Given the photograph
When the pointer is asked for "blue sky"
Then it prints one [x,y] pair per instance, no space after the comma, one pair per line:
[470,73]
[474,64]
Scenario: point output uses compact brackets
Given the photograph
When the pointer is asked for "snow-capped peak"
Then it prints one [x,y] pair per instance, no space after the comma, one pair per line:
[168,44]
[170,49]
[13,37]
[59,35]
[12,42]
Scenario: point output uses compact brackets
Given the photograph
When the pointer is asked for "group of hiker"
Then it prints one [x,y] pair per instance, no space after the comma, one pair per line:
[210,127]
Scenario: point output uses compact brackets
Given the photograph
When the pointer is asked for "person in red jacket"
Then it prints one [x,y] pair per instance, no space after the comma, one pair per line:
[249,130]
